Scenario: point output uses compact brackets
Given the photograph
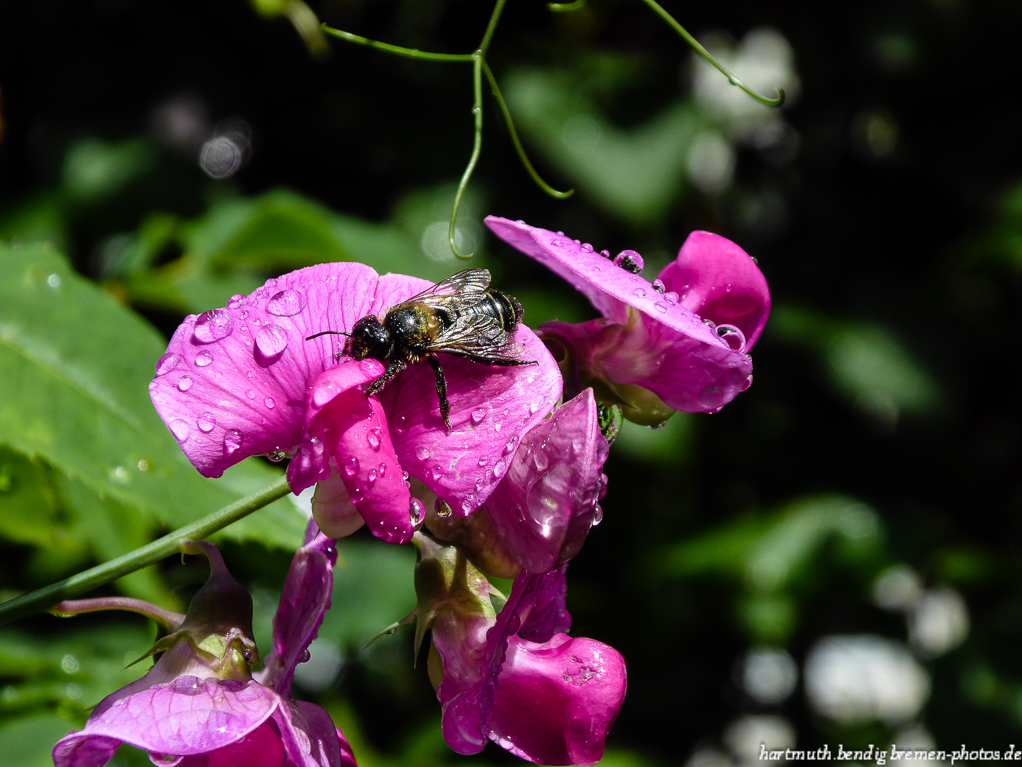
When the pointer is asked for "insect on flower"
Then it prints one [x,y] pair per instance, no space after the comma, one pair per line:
[460,316]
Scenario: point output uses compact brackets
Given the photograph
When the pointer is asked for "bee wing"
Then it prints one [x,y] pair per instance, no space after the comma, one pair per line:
[477,335]
[470,284]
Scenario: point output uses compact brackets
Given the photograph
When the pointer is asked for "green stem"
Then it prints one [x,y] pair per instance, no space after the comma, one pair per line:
[477,145]
[45,598]
[518,144]
[484,46]
[409,53]
[708,57]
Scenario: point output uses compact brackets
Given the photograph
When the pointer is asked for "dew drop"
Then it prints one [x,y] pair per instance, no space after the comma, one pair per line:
[179,429]
[442,509]
[533,406]
[510,446]
[498,426]
[351,466]
[640,292]
[269,403]
[557,243]
[660,306]
[597,515]
[658,285]
[401,426]
[203,358]
[466,506]
[483,461]
[167,363]
[540,460]
[416,513]
[732,336]
[422,453]
[383,470]
[206,423]
[286,303]
[277,456]
[271,340]
[212,326]
[250,394]
[499,469]
[436,472]
[53,281]
[671,297]
[371,478]
[606,254]
[478,415]
[373,438]
[184,383]
[232,441]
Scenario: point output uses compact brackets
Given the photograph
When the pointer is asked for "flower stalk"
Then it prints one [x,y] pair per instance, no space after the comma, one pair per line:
[47,597]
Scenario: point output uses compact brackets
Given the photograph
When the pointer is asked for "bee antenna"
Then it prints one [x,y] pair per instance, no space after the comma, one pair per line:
[328,332]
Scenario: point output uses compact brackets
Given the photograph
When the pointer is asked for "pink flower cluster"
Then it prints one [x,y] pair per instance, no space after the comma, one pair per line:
[511,488]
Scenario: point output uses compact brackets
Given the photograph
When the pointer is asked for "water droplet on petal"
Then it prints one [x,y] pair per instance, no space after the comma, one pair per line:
[401,426]
[510,446]
[206,423]
[179,429]
[499,469]
[660,306]
[416,513]
[277,456]
[436,472]
[598,515]
[351,466]
[658,285]
[671,297]
[269,403]
[250,394]
[167,363]
[371,479]
[203,358]
[478,415]
[271,340]
[640,292]
[557,243]
[232,441]
[442,509]
[212,326]
[732,336]
[541,460]
[383,470]
[184,383]
[422,453]
[466,506]
[498,426]
[483,461]
[373,438]
[286,303]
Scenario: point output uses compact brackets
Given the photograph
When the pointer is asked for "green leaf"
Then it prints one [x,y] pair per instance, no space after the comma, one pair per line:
[76,366]
[28,740]
[238,241]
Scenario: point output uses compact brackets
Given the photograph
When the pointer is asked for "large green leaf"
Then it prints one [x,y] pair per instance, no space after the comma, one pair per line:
[74,371]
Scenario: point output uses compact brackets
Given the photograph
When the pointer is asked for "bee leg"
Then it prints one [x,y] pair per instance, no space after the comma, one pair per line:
[393,368]
[441,390]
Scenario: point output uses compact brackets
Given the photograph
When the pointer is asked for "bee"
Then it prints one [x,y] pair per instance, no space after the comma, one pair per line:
[460,316]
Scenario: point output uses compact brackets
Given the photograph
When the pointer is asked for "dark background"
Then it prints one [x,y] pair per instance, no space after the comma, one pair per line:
[882,430]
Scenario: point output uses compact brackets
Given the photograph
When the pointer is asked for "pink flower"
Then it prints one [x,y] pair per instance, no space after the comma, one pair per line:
[199,706]
[514,678]
[680,342]
[243,380]
[550,496]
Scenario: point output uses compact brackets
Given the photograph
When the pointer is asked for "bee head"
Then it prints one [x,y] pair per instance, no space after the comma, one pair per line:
[370,340]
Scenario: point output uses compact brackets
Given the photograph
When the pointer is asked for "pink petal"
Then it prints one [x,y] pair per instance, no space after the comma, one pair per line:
[548,614]
[233,381]
[557,701]
[719,281]
[187,716]
[303,603]
[310,737]
[491,407]
[653,341]
[260,748]
[332,507]
[548,500]
[78,749]
[355,432]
